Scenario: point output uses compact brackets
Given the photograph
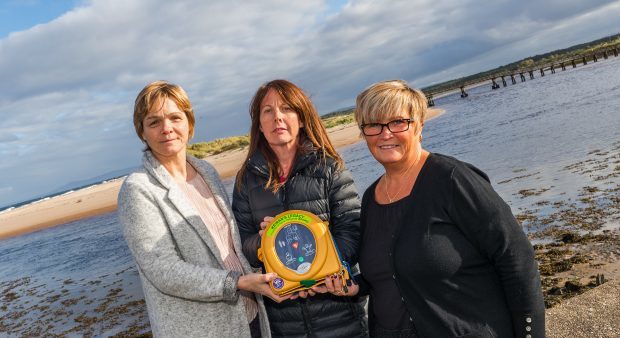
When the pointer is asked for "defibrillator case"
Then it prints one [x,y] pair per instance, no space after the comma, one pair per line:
[299,248]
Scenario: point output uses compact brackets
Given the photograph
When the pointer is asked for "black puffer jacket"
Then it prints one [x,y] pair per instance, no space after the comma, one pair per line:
[318,187]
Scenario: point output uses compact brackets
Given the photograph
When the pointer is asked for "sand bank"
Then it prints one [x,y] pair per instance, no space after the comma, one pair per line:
[60,209]
[101,198]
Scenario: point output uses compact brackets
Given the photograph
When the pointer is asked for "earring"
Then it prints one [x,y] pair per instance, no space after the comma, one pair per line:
[420,137]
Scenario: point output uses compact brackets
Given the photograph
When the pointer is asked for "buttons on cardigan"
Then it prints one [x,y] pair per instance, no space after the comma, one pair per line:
[394,276]
[528,328]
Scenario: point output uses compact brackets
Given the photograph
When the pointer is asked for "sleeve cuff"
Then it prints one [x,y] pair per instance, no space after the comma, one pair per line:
[230,286]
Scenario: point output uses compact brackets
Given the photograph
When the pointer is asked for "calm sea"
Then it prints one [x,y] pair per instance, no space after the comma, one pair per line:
[542,142]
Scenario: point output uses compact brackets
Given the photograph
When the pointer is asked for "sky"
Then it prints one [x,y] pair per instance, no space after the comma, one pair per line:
[71,69]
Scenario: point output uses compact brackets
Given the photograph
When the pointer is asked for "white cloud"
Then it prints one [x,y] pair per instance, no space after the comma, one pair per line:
[66,99]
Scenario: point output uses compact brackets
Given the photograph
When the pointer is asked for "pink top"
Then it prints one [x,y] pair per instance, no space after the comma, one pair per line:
[198,192]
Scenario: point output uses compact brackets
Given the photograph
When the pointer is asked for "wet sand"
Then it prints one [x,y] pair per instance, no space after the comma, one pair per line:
[99,199]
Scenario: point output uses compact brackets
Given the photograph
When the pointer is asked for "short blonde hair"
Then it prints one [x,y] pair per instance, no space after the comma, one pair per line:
[387,99]
[155,92]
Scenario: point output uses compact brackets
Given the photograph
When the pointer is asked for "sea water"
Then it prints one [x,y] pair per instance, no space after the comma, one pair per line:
[542,142]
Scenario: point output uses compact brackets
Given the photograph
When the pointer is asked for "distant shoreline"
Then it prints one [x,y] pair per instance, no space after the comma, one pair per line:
[101,198]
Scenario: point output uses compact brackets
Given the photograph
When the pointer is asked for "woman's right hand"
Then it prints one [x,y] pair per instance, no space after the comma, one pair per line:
[264,225]
[335,285]
[259,283]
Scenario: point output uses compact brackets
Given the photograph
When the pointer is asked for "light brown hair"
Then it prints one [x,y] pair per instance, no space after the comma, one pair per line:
[155,93]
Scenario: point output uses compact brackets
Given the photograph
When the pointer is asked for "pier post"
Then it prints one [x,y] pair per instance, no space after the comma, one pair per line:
[542,72]
[522,77]
[616,51]
[512,78]
[463,93]
[504,81]
[605,54]
[585,62]
[573,61]
[430,101]
[594,57]
[494,85]
[552,70]
[562,65]
[531,75]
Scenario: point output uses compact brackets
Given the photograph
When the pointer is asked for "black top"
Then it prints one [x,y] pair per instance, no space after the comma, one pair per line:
[462,263]
[314,185]
[387,307]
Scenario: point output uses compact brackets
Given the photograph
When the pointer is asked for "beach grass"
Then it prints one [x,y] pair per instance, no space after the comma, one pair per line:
[339,118]
[217,146]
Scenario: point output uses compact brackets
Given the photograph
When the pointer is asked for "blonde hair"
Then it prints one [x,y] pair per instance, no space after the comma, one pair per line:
[387,99]
[313,130]
[157,92]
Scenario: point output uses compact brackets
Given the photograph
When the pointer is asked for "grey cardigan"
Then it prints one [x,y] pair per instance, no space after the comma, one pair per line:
[188,291]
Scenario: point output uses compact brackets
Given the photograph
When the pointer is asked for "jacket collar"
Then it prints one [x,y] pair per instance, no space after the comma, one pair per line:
[308,155]
[176,196]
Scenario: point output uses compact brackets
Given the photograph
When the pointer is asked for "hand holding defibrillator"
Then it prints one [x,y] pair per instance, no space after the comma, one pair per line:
[298,246]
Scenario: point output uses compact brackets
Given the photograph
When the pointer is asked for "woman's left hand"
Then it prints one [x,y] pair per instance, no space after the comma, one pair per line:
[264,225]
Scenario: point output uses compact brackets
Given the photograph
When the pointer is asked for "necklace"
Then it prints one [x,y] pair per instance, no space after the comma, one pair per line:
[385,186]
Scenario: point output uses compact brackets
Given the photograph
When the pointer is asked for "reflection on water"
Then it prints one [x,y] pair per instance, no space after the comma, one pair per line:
[545,143]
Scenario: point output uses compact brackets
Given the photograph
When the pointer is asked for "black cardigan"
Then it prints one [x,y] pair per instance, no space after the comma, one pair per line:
[462,263]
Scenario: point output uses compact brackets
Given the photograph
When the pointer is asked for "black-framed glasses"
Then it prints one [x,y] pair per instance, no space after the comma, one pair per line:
[394,126]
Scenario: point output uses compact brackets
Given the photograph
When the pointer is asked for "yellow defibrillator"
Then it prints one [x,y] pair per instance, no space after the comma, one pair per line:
[298,246]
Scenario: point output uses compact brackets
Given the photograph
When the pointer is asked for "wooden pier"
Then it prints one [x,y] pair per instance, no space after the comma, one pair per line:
[549,68]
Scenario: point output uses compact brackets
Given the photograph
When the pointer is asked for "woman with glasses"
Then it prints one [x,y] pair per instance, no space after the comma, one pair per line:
[292,164]
[441,253]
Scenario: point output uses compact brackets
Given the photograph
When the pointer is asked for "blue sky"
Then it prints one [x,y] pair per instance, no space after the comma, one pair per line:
[18,15]
[71,69]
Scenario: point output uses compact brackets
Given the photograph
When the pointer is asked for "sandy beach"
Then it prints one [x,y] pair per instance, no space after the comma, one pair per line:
[101,198]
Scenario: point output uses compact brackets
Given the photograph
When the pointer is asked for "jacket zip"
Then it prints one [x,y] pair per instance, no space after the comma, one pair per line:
[284,194]
[302,303]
